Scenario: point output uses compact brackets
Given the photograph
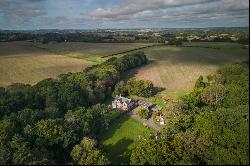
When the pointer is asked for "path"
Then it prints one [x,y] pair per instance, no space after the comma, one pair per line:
[149,122]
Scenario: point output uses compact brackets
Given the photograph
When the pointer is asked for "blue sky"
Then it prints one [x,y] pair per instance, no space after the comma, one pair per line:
[91,14]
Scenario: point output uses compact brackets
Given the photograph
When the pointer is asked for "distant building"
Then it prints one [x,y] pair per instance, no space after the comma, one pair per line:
[123,103]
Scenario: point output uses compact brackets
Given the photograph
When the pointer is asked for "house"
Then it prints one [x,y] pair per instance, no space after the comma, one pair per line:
[123,103]
[145,104]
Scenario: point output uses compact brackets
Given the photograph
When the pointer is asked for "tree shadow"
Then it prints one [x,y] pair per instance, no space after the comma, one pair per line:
[158,90]
[119,153]
[132,72]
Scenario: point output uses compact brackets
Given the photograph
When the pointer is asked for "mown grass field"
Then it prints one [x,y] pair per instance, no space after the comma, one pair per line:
[26,62]
[177,68]
[119,139]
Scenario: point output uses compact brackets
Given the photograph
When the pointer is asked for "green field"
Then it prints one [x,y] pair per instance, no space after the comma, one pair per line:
[119,138]
[177,68]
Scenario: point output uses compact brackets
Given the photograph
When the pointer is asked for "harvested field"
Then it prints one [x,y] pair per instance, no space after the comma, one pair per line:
[177,68]
[23,63]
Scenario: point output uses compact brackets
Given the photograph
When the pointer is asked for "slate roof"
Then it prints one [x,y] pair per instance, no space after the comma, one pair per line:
[123,99]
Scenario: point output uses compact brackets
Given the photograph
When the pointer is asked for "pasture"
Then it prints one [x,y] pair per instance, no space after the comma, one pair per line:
[119,139]
[177,68]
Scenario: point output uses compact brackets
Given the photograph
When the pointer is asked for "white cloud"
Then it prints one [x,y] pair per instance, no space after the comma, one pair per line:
[174,10]
[122,14]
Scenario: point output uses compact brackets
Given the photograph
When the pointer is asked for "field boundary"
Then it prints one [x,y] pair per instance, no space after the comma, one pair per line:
[124,52]
[217,48]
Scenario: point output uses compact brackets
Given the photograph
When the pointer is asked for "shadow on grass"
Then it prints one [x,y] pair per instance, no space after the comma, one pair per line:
[132,72]
[118,152]
[158,90]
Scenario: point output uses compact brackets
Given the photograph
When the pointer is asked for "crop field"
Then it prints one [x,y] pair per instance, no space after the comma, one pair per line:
[119,139]
[177,68]
[23,63]
[89,51]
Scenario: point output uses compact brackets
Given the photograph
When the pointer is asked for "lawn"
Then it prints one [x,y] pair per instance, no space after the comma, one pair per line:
[119,139]
[177,68]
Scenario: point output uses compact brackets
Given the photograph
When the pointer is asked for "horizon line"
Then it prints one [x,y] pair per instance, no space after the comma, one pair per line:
[121,28]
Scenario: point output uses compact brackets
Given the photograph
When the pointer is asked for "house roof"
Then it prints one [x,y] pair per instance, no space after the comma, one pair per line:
[145,103]
[123,99]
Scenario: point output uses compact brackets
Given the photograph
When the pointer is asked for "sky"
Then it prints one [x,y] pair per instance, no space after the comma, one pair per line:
[122,14]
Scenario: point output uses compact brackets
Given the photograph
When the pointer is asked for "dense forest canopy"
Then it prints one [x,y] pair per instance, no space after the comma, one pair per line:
[41,124]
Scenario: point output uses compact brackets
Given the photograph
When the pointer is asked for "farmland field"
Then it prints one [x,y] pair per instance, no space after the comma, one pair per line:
[119,139]
[89,51]
[177,68]
[170,67]
[20,62]
[26,62]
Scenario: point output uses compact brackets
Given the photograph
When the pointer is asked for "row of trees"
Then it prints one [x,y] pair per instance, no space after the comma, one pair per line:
[207,126]
[54,121]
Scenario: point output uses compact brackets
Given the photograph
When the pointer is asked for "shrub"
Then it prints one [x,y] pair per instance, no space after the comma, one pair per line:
[143,113]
